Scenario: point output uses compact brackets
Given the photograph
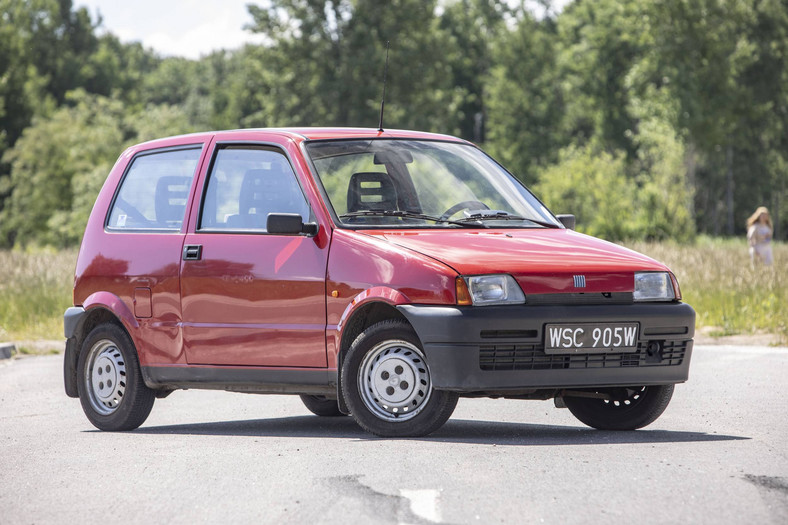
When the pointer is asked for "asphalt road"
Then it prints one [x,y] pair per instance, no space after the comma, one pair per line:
[718,455]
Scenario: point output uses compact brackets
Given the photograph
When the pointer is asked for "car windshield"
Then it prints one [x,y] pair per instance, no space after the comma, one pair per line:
[419,183]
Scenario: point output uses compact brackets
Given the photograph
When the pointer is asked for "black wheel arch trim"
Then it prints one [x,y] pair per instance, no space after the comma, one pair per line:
[72,319]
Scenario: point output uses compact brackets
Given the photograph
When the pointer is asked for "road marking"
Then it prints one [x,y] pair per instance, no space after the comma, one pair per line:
[424,503]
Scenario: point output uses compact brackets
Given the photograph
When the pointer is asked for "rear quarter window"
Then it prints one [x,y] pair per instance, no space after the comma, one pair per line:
[154,191]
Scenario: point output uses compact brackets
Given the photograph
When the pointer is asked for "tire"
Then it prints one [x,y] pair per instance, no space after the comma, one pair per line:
[628,408]
[386,383]
[111,390]
[321,406]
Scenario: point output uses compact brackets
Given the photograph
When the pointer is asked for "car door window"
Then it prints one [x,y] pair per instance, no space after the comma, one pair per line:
[245,185]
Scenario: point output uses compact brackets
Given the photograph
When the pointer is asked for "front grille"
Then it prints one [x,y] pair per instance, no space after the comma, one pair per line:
[583,298]
[532,357]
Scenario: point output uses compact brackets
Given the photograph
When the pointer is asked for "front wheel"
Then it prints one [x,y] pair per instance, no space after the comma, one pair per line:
[111,390]
[386,383]
[625,408]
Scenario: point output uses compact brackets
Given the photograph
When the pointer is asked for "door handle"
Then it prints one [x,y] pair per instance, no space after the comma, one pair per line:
[192,252]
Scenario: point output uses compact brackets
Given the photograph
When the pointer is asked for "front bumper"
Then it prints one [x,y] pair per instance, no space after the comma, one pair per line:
[71,319]
[501,348]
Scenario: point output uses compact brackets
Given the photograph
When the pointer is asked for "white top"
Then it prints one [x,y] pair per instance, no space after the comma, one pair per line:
[759,237]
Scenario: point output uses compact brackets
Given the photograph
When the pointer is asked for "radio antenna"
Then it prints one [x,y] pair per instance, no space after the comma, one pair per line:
[383,100]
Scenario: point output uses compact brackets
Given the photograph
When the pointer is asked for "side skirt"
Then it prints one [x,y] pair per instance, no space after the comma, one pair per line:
[252,380]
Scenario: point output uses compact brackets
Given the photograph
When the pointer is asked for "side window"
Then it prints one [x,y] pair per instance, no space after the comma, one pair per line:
[245,185]
[154,191]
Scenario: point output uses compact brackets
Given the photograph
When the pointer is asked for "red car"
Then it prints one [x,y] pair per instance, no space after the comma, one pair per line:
[381,274]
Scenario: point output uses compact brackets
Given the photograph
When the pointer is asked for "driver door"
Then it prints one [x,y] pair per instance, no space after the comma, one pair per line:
[251,298]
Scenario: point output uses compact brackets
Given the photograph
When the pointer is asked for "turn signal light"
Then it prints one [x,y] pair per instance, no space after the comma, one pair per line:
[463,295]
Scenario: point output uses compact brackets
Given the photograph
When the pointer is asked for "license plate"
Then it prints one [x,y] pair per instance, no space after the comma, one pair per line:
[575,338]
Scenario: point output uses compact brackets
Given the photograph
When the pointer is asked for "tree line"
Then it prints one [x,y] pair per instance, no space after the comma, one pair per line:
[648,119]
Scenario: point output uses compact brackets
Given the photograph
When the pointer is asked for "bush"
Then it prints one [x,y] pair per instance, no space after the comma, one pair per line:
[610,202]
[595,188]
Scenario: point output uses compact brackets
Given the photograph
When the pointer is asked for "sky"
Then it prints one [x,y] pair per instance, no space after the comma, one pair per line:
[187,28]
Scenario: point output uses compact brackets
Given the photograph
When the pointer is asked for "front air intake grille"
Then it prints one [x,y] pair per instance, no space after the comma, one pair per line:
[532,357]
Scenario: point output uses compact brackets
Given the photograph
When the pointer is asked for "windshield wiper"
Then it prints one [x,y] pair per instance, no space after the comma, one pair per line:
[499,215]
[411,215]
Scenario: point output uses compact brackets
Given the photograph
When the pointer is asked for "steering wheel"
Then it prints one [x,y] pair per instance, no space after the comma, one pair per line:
[464,205]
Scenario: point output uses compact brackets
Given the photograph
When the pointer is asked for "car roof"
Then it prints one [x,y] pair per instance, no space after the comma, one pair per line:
[355,133]
[299,135]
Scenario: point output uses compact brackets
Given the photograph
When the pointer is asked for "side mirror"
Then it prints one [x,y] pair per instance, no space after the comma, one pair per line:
[392,157]
[567,220]
[289,224]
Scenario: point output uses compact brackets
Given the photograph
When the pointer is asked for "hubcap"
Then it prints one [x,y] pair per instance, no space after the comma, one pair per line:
[105,377]
[394,381]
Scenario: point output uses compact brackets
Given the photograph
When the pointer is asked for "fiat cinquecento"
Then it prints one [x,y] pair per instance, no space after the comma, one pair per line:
[377,274]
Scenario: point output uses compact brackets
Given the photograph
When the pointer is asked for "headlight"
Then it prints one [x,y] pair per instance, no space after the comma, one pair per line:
[485,290]
[654,286]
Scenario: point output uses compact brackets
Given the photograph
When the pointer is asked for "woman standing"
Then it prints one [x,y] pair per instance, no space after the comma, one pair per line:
[759,236]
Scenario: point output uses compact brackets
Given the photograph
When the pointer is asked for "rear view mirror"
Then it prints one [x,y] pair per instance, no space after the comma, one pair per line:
[567,220]
[289,224]
[393,157]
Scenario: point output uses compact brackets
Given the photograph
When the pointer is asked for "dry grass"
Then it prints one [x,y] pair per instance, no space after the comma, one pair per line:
[728,294]
[35,290]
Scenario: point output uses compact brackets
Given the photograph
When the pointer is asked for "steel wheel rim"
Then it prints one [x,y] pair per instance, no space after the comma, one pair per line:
[632,396]
[394,381]
[105,377]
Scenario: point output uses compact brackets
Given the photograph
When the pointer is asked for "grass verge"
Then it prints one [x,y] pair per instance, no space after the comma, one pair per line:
[728,294]
[35,290]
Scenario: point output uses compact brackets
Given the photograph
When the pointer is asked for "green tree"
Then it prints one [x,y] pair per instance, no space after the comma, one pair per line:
[598,45]
[524,101]
[663,198]
[60,163]
[594,187]
[48,48]
[471,27]
[44,45]
[121,70]
[722,65]
[327,60]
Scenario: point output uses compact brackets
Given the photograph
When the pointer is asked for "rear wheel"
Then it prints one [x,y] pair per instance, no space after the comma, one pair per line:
[626,408]
[322,406]
[386,383]
[111,390]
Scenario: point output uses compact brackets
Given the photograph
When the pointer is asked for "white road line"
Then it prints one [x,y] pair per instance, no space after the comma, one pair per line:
[424,503]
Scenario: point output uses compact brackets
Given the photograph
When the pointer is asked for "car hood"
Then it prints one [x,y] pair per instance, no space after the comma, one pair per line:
[542,261]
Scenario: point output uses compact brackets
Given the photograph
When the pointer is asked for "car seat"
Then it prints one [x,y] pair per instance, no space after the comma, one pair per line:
[265,191]
[172,192]
[371,191]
